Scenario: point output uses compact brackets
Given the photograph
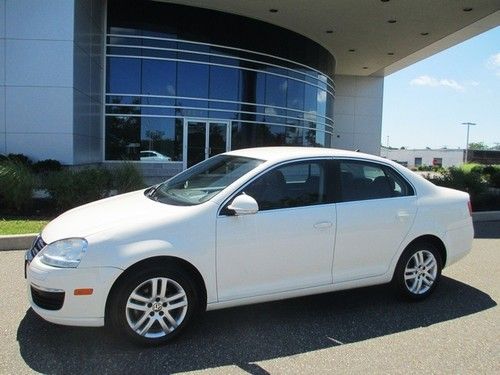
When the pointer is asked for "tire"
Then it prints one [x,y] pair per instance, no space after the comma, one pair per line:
[418,271]
[154,305]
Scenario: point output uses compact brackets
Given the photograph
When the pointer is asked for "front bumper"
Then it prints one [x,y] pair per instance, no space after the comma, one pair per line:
[51,292]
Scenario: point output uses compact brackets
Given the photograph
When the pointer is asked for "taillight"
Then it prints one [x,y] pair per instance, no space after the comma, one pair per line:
[470,208]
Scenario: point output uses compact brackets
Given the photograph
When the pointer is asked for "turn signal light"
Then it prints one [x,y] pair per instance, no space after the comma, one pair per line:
[83,292]
[470,208]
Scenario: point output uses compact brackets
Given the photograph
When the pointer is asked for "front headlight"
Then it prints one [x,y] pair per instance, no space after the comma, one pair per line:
[65,253]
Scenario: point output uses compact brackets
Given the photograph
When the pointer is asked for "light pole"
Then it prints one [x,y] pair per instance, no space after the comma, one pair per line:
[467,142]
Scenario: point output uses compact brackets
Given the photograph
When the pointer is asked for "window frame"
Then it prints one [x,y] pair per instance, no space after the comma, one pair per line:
[329,164]
[383,166]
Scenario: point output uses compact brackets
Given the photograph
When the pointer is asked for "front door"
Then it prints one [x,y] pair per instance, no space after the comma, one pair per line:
[289,243]
[204,139]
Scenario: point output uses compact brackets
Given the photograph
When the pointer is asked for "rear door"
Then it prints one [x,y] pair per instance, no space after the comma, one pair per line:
[376,211]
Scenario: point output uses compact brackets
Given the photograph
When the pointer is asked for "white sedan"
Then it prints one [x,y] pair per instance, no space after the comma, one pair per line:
[244,227]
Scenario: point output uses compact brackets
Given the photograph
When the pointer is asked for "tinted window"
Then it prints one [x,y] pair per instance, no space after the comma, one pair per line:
[192,80]
[364,180]
[158,77]
[293,185]
[223,83]
[123,75]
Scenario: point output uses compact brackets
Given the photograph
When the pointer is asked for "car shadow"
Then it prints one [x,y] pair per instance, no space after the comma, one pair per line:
[244,335]
[487,229]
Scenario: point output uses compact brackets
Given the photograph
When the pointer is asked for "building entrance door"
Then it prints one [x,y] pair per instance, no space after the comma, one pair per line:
[204,139]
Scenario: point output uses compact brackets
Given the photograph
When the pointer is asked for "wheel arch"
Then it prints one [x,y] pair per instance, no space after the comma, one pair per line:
[155,261]
[434,240]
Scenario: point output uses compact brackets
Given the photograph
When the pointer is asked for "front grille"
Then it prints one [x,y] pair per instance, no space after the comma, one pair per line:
[47,300]
[38,245]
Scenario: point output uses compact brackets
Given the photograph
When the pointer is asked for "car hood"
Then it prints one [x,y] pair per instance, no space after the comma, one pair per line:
[125,210]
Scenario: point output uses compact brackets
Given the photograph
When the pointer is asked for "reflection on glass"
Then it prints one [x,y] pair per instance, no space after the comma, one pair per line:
[123,75]
[158,77]
[145,139]
[192,80]
[196,142]
[217,138]
[223,83]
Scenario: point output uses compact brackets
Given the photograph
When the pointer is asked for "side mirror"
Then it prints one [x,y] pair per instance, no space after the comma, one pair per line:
[244,205]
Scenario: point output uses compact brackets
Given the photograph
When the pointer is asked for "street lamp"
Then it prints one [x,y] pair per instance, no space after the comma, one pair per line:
[467,143]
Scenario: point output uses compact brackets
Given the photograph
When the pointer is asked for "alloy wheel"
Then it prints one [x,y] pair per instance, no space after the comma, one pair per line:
[420,272]
[156,307]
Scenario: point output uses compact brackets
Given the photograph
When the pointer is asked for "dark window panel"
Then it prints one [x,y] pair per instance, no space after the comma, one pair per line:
[123,75]
[295,95]
[123,135]
[276,89]
[223,83]
[192,80]
[158,77]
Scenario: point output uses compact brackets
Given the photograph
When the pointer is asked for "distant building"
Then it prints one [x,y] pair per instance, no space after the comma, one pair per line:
[425,157]
[443,157]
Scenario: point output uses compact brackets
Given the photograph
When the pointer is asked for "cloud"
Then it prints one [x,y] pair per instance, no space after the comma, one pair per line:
[426,80]
[493,63]
[321,96]
[472,83]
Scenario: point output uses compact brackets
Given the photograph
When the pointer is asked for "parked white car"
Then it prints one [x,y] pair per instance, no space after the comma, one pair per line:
[150,155]
[244,227]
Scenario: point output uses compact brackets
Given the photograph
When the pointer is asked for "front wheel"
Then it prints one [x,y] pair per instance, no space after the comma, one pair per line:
[153,306]
[418,271]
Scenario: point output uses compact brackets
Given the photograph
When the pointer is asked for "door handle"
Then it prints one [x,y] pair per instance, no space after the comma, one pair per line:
[403,215]
[323,224]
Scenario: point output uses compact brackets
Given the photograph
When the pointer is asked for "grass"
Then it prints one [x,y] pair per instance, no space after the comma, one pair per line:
[14,226]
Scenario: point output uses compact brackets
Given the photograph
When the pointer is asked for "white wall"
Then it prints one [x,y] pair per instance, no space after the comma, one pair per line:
[357,113]
[51,74]
[37,84]
[450,157]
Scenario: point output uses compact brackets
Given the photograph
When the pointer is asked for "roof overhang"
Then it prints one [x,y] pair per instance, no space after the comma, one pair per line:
[361,34]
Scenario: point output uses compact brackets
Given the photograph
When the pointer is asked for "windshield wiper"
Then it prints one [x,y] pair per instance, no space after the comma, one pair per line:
[152,190]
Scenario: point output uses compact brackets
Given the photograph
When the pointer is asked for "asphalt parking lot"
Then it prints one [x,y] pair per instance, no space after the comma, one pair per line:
[456,330]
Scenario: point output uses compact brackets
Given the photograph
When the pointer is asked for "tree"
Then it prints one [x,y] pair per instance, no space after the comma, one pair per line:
[478,146]
[496,147]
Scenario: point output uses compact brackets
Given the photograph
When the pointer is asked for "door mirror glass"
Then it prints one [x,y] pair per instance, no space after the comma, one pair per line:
[244,205]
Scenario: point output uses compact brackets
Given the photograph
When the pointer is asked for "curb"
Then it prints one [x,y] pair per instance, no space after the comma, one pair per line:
[17,241]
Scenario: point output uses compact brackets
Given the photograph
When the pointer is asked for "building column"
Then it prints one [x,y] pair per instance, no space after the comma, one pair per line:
[357,113]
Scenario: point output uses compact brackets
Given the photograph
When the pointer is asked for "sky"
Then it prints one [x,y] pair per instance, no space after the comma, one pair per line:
[426,103]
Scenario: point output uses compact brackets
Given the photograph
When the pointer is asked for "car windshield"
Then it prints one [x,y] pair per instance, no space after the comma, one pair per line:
[203,181]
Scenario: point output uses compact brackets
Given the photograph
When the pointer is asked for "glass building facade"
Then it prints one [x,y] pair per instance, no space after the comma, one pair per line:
[184,83]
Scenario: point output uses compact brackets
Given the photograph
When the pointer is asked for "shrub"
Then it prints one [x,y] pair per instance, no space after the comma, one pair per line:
[126,177]
[73,188]
[47,165]
[16,184]
[468,179]
[492,173]
[21,159]
[495,179]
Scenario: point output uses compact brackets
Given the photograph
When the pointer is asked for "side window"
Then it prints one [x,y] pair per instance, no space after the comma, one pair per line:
[364,180]
[292,185]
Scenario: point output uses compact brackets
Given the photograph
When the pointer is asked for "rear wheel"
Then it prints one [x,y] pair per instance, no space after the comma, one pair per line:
[418,271]
[153,306]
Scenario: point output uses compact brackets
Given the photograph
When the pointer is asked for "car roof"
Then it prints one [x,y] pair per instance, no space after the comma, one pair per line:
[281,153]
